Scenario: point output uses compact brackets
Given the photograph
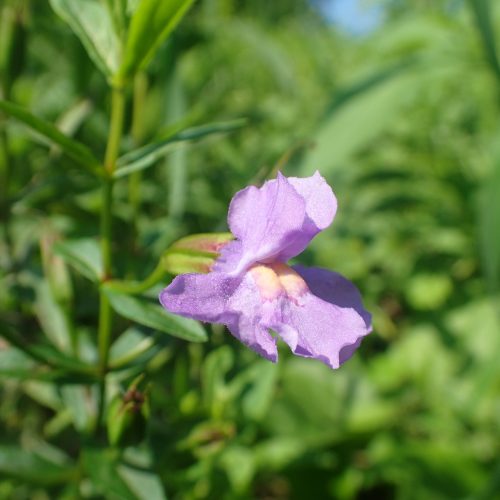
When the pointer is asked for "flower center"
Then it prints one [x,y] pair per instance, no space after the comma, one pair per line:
[276,279]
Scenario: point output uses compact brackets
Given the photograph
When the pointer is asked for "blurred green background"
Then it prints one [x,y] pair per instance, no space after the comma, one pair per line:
[398,106]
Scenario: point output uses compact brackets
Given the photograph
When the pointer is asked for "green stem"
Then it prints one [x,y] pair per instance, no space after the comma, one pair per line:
[137,287]
[116,129]
[7,31]
[105,313]
[137,130]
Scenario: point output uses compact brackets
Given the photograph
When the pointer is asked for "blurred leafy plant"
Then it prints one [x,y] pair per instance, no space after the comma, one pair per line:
[404,125]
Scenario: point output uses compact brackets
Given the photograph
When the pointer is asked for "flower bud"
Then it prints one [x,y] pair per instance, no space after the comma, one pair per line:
[127,417]
[195,253]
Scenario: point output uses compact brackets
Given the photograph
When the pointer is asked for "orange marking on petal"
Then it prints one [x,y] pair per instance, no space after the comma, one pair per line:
[276,279]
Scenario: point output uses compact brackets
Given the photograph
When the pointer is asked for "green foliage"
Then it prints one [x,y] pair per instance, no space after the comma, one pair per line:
[150,314]
[106,395]
[78,152]
[151,23]
[92,23]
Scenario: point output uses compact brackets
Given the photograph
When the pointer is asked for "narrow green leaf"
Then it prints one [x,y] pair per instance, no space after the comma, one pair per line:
[151,23]
[26,466]
[84,255]
[146,156]
[12,360]
[75,150]
[489,224]
[118,12]
[57,359]
[100,466]
[215,393]
[145,484]
[92,23]
[344,95]
[149,314]
[357,118]
[483,18]
[76,399]
[130,346]
[46,354]
[52,317]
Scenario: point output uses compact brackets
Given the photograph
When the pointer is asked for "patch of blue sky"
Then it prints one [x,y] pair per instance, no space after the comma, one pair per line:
[357,17]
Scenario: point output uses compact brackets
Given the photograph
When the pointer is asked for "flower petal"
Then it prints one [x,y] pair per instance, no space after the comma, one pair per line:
[199,296]
[329,322]
[321,206]
[332,287]
[263,220]
[248,316]
[277,221]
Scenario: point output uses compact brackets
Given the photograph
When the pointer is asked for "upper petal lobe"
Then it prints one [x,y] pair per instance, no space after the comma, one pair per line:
[321,206]
[277,221]
[263,220]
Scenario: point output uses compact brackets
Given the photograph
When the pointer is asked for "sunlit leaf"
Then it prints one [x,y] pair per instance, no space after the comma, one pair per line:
[29,467]
[483,17]
[129,347]
[154,316]
[100,466]
[356,118]
[151,23]
[52,317]
[75,150]
[145,484]
[489,224]
[146,156]
[92,23]
[84,255]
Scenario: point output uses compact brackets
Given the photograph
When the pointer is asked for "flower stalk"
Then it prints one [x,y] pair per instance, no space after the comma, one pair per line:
[105,313]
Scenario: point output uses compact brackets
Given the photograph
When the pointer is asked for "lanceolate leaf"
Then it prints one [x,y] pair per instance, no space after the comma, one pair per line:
[483,18]
[75,150]
[153,315]
[92,23]
[45,354]
[118,11]
[488,224]
[100,466]
[84,255]
[30,468]
[369,107]
[151,24]
[146,156]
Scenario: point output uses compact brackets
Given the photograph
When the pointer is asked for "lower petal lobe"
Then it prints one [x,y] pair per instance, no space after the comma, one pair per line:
[330,322]
[249,318]
[199,296]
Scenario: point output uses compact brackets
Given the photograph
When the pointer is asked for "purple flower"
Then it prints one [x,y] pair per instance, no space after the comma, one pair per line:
[252,290]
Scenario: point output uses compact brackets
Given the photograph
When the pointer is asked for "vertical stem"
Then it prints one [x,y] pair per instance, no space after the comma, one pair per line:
[7,32]
[134,186]
[105,314]
[116,129]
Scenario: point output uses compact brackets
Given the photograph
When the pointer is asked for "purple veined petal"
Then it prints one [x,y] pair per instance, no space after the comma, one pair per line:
[321,203]
[321,207]
[199,296]
[247,317]
[334,288]
[277,221]
[264,220]
[328,325]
